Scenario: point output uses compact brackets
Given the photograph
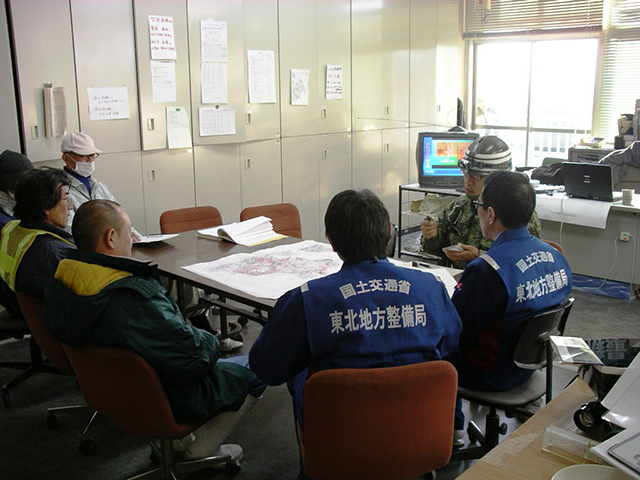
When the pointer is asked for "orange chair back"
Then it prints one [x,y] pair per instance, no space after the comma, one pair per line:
[378,423]
[285,217]
[33,312]
[555,245]
[193,218]
[123,387]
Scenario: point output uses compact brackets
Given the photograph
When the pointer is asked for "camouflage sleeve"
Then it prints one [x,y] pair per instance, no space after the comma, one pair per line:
[534,225]
[434,245]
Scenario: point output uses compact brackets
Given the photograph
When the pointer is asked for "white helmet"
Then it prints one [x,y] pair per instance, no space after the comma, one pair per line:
[486,155]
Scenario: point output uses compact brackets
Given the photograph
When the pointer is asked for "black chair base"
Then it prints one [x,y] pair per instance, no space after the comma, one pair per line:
[169,468]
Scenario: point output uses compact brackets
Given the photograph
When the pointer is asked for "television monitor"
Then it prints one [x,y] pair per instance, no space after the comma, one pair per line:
[437,154]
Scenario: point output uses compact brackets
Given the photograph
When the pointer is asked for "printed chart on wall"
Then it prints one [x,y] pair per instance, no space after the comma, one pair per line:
[272,272]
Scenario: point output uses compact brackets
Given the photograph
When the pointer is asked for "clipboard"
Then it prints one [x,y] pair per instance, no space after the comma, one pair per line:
[627,452]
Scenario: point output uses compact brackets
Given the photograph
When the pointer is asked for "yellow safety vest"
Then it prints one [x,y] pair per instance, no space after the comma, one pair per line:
[14,243]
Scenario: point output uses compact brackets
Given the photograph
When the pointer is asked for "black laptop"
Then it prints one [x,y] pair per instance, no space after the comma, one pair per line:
[589,180]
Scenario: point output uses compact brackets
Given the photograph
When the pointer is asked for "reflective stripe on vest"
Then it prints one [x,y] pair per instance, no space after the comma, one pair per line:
[487,258]
[15,242]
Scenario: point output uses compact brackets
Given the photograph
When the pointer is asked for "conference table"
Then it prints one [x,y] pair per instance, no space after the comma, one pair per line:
[187,249]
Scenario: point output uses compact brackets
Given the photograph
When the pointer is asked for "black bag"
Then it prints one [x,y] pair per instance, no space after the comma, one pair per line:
[549,174]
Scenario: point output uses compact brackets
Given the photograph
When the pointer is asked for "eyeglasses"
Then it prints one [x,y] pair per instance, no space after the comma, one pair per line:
[89,158]
[477,203]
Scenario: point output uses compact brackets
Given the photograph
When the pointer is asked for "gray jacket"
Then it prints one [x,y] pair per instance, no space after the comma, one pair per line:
[78,194]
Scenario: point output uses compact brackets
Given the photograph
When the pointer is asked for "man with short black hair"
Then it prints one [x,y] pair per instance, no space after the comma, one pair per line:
[101,295]
[12,165]
[518,277]
[370,314]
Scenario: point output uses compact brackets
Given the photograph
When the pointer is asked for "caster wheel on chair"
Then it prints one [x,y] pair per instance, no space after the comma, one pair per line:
[88,447]
[52,422]
[589,417]
[232,468]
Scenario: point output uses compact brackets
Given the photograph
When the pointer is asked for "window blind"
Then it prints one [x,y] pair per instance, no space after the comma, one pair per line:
[620,80]
[514,17]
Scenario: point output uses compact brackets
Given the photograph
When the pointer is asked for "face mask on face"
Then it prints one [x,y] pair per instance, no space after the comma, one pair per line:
[85,169]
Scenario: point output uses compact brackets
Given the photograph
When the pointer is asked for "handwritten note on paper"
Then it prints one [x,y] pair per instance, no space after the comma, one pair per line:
[217,121]
[213,82]
[213,41]
[108,103]
[299,87]
[333,86]
[261,76]
[178,131]
[163,81]
[163,42]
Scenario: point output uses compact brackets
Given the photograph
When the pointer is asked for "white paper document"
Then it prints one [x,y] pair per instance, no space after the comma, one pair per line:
[213,82]
[163,81]
[272,272]
[108,103]
[253,231]
[622,399]
[178,128]
[261,73]
[299,87]
[441,273]
[155,238]
[577,211]
[601,450]
[162,40]
[333,85]
[217,121]
[213,41]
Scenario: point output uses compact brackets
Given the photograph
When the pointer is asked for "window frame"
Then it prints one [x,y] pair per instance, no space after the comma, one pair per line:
[557,35]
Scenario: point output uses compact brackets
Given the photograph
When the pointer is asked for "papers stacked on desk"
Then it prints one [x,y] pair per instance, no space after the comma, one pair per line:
[248,233]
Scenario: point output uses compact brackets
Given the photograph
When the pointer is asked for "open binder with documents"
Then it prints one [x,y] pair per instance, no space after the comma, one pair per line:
[250,232]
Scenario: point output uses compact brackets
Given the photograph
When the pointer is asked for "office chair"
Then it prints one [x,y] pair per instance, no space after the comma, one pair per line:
[378,423]
[19,328]
[555,245]
[13,327]
[123,388]
[285,217]
[33,310]
[391,246]
[196,218]
[192,218]
[533,352]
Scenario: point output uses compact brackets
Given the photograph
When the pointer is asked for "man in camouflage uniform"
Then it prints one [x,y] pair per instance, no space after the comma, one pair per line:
[458,224]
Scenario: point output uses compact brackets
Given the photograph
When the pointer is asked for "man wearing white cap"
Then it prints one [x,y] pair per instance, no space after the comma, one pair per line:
[79,154]
[458,225]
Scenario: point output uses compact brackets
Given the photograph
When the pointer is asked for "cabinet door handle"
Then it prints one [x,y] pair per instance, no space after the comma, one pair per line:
[247,116]
[152,175]
[386,110]
[323,112]
[387,147]
[247,164]
[325,154]
[151,124]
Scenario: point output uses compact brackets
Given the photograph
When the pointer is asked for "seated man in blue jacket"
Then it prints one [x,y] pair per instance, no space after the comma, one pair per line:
[498,292]
[101,295]
[370,314]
